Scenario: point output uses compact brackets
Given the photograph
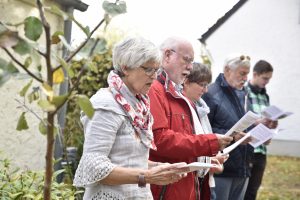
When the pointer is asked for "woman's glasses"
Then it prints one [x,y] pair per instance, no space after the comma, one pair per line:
[149,71]
[203,85]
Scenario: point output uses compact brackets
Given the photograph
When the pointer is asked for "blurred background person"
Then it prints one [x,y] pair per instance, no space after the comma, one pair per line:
[114,164]
[259,100]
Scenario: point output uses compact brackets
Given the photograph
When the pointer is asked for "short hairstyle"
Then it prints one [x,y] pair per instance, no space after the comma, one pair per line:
[262,67]
[235,60]
[199,73]
[172,43]
[133,52]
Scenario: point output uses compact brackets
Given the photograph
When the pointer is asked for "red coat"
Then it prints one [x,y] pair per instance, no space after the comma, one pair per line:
[176,142]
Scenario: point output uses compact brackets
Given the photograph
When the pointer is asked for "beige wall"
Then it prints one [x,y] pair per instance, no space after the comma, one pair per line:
[25,148]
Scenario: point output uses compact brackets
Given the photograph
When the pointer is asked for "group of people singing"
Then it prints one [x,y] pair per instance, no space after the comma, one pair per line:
[160,113]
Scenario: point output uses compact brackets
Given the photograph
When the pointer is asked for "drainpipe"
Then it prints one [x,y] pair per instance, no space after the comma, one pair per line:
[68,6]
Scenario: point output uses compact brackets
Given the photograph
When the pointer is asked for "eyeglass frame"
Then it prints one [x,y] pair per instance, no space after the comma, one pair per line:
[203,85]
[149,71]
[187,60]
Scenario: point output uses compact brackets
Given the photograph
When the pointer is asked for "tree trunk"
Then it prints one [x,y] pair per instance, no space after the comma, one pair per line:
[49,156]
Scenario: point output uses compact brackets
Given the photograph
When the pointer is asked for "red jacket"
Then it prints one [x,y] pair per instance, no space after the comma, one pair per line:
[176,141]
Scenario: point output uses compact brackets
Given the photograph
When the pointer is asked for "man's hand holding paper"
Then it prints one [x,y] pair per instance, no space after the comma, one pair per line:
[239,135]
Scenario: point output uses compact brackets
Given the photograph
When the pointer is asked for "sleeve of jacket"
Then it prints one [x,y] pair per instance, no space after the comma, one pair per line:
[174,144]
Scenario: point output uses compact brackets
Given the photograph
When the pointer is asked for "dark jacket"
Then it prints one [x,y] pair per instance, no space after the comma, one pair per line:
[225,111]
[176,142]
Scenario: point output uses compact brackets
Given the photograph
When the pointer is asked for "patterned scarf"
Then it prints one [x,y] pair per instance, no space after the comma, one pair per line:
[137,108]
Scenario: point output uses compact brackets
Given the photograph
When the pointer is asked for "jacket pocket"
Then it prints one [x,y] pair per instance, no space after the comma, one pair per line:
[180,122]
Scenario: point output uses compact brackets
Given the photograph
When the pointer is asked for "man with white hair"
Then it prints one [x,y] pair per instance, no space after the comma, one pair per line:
[175,126]
[227,100]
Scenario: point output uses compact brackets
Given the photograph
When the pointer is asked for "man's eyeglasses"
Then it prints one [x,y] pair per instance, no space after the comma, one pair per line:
[149,71]
[242,57]
[186,59]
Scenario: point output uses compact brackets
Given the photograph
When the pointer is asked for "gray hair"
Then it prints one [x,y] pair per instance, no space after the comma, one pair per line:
[172,43]
[236,60]
[133,52]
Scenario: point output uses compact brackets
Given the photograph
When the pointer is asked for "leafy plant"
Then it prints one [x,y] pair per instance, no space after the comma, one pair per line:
[89,84]
[30,56]
[18,184]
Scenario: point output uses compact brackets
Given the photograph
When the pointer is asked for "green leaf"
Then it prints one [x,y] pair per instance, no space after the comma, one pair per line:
[42,128]
[22,123]
[28,61]
[58,100]
[22,47]
[6,71]
[48,90]
[24,90]
[46,105]
[55,39]
[11,69]
[114,9]
[7,67]
[39,68]
[28,196]
[16,195]
[56,173]
[85,105]
[33,28]
[34,95]
[66,66]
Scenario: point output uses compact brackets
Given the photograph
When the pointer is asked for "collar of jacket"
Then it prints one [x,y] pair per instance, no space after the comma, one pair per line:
[163,78]
[223,83]
[257,90]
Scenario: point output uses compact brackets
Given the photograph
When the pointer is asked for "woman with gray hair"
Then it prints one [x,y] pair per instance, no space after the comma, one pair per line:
[114,164]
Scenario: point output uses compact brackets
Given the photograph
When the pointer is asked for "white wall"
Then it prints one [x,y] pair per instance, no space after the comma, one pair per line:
[26,148]
[270,30]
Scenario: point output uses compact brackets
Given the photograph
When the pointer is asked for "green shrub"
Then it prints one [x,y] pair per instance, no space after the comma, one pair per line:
[26,185]
[94,79]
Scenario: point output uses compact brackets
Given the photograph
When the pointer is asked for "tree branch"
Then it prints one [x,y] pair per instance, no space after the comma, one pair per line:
[41,53]
[48,43]
[22,66]
[86,40]
[30,110]
[82,44]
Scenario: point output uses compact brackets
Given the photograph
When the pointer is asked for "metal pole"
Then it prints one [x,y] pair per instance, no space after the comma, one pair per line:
[59,145]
